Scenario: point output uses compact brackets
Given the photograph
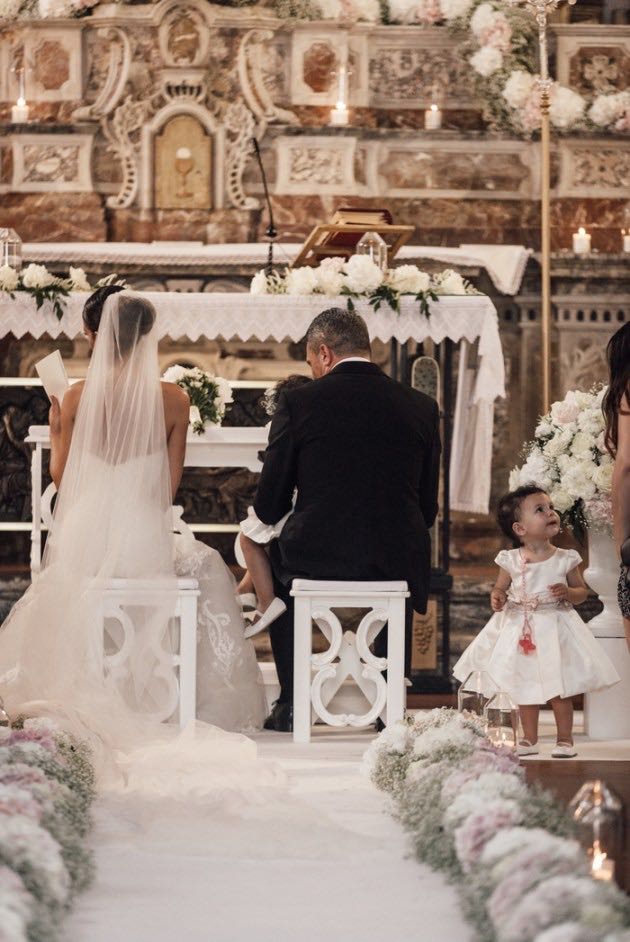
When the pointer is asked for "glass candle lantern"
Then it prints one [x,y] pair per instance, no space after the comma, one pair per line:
[10,249]
[598,813]
[474,693]
[372,245]
[501,716]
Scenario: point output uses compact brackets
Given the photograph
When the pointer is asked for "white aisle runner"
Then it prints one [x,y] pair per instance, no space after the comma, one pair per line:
[324,864]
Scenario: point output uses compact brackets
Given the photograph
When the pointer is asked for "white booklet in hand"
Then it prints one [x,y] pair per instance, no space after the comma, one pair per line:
[53,375]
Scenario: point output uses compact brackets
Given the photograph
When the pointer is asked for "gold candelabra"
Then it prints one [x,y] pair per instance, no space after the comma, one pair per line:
[541,9]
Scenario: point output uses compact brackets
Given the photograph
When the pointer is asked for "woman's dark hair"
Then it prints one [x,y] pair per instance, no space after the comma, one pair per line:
[93,307]
[508,510]
[618,356]
[272,395]
[136,317]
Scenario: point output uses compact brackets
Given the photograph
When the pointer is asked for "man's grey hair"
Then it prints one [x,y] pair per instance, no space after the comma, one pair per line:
[345,332]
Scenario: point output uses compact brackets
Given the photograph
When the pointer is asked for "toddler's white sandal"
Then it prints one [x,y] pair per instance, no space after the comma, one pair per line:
[563,750]
[275,610]
[526,748]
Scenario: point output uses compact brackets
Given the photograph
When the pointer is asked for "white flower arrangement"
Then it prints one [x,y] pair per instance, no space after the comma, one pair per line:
[505,846]
[209,395]
[569,460]
[43,286]
[360,277]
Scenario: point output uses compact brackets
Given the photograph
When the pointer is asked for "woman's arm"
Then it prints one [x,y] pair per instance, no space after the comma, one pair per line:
[621,477]
[61,422]
[178,415]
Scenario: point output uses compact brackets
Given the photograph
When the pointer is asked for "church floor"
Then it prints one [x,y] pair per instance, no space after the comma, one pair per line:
[336,869]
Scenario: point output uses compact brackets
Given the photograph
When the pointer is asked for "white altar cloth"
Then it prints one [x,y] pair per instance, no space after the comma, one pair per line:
[278,317]
[505,264]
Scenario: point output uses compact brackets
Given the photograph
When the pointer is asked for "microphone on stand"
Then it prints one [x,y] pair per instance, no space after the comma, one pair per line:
[271,232]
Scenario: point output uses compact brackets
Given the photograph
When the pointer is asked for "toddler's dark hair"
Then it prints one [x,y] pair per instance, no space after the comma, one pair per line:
[270,401]
[510,505]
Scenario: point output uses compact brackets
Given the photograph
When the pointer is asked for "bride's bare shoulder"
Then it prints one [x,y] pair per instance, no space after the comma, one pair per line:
[72,397]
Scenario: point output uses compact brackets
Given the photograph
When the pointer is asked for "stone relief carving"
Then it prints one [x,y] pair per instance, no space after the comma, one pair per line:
[115,78]
[184,36]
[51,164]
[258,77]
[312,164]
[599,69]
[408,75]
[122,134]
[52,161]
[240,126]
[602,168]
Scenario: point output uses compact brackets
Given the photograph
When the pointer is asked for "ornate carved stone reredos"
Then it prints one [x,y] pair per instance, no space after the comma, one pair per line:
[184,35]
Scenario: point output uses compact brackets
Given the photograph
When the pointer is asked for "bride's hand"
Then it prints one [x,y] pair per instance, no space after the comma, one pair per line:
[54,416]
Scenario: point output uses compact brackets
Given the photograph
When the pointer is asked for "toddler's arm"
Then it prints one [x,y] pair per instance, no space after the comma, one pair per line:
[575,592]
[498,596]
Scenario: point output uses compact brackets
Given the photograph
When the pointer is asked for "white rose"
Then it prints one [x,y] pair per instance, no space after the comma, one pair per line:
[518,88]
[408,279]
[544,428]
[450,282]
[452,9]
[224,389]
[561,500]
[602,477]
[259,283]
[8,278]
[79,280]
[362,275]
[562,413]
[368,10]
[330,9]
[559,443]
[37,276]
[329,276]
[301,281]
[487,60]
[483,19]
[403,11]
[582,445]
[536,469]
[606,109]
[174,373]
[567,107]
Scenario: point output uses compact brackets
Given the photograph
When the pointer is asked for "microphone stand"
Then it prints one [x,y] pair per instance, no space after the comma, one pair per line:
[271,232]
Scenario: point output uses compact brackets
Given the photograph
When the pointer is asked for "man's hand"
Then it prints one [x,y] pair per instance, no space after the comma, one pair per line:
[498,598]
[54,416]
[560,591]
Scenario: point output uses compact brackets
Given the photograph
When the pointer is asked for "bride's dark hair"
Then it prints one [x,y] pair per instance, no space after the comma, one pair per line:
[136,317]
[618,355]
[93,307]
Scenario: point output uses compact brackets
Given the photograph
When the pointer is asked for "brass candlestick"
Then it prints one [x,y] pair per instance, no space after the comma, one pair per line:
[541,9]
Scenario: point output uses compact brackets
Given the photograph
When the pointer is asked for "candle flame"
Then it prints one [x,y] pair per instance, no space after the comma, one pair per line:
[434,107]
[598,857]
[582,230]
[21,101]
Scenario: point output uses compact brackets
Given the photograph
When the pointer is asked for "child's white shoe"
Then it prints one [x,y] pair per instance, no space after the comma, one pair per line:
[275,610]
[247,600]
[563,750]
[526,748]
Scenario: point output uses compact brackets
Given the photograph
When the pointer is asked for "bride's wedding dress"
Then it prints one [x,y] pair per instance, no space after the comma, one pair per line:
[113,519]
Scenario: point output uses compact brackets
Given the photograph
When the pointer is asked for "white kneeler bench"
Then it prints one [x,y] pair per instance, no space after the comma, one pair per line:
[317,677]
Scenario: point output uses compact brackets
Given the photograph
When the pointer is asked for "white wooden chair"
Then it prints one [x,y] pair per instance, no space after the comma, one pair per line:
[117,601]
[318,677]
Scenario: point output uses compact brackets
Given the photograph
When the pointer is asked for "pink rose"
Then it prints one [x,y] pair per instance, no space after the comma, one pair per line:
[499,35]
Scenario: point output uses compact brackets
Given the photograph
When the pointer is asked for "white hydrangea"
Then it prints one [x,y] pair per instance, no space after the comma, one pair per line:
[9,278]
[561,500]
[452,9]
[362,275]
[607,109]
[483,19]
[518,88]
[42,724]
[602,477]
[259,283]
[403,11]
[329,276]
[536,469]
[487,60]
[174,373]
[37,276]
[450,282]
[582,445]
[369,11]
[30,846]
[301,281]
[559,443]
[408,279]
[468,803]
[79,280]
[567,107]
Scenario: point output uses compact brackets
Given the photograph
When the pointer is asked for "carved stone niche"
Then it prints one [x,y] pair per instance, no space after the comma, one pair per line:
[195,178]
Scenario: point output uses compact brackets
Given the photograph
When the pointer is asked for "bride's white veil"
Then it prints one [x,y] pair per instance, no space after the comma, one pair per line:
[112,520]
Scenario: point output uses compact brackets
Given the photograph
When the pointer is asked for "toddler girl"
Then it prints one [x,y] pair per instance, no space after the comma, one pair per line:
[536,647]
[251,543]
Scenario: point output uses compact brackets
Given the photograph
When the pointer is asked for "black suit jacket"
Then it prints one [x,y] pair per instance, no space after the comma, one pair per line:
[363,452]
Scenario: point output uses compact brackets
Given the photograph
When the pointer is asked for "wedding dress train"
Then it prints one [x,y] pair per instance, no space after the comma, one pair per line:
[113,518]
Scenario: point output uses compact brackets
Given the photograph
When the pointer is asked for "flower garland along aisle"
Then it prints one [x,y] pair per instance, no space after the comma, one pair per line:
[46,792]
[360,277]
[43,286]
[569,459]
[508,847]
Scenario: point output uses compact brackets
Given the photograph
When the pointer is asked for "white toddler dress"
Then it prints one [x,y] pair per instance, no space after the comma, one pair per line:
[567,659]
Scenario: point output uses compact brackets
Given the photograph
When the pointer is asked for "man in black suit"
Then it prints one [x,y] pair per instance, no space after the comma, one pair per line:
[363,453]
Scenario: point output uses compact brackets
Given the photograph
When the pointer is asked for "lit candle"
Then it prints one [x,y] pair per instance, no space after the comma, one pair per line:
[626,239]
[602,868]
[581,242]
[19,112]
[433,118]
[339,115]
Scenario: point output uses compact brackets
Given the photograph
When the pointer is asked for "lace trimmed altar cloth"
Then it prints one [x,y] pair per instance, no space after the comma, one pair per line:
[466,318]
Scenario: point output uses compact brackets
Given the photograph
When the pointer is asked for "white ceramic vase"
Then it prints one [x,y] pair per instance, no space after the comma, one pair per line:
[607,712]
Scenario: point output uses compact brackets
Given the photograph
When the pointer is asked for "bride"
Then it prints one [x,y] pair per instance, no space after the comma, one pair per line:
[117,452]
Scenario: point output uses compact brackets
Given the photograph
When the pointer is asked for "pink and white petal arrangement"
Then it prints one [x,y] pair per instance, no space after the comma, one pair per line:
[569,459]
[509,848]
